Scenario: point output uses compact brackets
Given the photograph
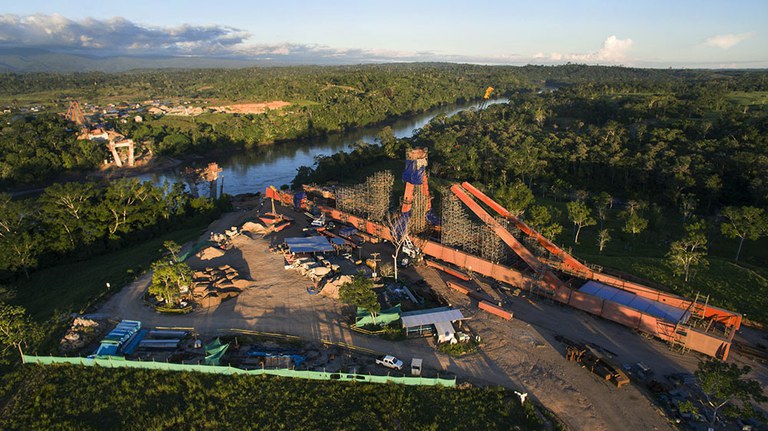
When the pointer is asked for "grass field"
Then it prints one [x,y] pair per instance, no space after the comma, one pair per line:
[751,98]
[74,286]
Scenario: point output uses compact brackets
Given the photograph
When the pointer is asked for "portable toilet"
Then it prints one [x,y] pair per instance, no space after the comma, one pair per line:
[416,367]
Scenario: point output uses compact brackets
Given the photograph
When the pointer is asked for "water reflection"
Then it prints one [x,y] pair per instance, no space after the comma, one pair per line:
[254,170]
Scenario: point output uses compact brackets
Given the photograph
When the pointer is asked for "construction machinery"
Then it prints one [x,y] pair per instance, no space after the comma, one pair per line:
[588,357]
[686,324]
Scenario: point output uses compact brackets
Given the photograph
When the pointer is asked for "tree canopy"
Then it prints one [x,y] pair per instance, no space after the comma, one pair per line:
[77,220]
[690,252]
[17,330]
[726,389]
[359,292]
[744,223]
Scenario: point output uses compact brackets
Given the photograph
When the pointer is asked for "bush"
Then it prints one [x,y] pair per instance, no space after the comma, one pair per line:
[458,349]
[54,397]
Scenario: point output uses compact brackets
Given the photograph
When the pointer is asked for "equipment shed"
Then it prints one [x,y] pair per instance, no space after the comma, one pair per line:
[432,321]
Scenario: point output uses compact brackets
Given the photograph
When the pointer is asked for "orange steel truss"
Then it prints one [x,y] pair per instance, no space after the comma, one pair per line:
[716,326]
[690,338]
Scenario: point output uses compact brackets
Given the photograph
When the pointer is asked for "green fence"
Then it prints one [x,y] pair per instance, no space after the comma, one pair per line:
[117,362]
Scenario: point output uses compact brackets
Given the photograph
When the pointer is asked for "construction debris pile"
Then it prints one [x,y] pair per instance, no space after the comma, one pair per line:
[82,332]
[314,268]
[371,200]
[224,240]
[254,228]
[213,285]
[332,285]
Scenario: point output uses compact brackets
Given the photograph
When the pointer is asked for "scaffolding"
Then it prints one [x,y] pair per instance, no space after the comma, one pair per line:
[371,199]
[418,221]
[460,231]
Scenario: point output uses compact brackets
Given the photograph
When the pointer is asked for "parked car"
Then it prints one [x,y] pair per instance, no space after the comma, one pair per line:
[390,361]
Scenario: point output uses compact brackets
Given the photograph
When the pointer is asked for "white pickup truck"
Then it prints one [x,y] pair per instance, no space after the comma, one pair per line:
[390,361]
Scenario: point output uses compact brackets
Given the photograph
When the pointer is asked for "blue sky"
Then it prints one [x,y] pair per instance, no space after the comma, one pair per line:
[644,33]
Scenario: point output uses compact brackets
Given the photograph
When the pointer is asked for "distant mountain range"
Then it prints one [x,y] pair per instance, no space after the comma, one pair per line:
[19,60]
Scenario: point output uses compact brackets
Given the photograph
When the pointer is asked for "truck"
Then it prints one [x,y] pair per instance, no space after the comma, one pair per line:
[319,222]
[390,361]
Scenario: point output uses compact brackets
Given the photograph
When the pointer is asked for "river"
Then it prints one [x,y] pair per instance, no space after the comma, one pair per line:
[252,171]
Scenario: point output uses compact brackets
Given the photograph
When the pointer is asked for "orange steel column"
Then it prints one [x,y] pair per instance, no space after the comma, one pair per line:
[407,198]
[568,260]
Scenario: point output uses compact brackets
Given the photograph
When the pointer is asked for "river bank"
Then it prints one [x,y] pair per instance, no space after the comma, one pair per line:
[248,171]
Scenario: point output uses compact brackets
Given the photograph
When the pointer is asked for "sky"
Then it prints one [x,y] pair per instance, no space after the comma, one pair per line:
[641,33]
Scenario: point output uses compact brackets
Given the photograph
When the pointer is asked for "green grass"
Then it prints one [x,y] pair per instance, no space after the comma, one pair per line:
[74,286]
[91,398]
[748,97]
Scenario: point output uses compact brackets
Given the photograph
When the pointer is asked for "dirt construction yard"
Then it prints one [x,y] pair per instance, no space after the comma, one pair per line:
[250,108]
[522,354]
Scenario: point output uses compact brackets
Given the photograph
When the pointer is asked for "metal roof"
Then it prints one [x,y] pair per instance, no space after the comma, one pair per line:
[639,303]
[311,244]
[430,317]
[444,330]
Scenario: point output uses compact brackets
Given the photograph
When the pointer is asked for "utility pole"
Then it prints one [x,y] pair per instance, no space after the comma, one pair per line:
[376,260]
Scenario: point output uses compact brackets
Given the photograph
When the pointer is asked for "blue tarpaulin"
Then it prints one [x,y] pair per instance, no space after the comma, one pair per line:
[413,173]
[111,344]
[433,218]
[297,198]
[312,244]
[639,303]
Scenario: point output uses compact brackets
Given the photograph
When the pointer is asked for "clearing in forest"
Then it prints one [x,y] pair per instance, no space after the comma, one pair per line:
[250,108]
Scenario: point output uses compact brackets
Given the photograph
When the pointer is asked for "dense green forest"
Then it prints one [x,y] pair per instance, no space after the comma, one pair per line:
[76,221]
[37,147]
[80,398]
[662,177]
[323,100]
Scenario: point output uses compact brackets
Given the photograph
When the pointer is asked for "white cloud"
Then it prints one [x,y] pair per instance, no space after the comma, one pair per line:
[114,36]
[119,36]
[725,41]
[614,50]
